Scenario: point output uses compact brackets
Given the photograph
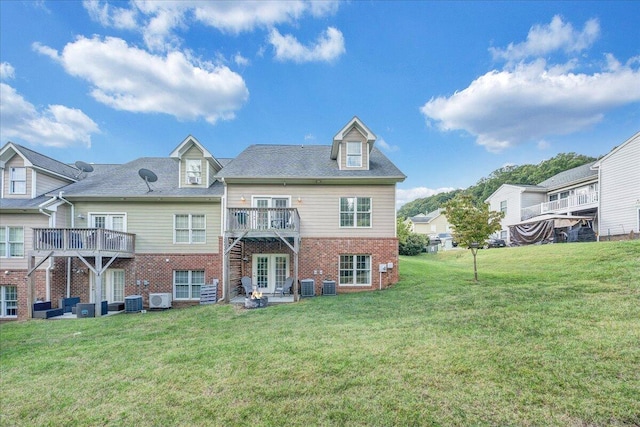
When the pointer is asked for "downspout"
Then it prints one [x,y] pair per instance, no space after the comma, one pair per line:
[73,221]
[47,276]
[223,205]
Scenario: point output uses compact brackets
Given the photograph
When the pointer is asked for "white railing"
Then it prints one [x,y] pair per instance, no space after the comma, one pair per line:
[566,204]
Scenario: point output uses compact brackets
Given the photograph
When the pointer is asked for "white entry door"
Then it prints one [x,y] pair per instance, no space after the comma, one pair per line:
[112,285]
[270,270]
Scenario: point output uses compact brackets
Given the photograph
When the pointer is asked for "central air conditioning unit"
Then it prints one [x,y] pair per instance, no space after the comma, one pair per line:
[194,180]
[159,300]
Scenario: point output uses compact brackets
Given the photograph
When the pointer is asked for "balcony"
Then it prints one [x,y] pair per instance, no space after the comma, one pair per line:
[83,241]
[569,204]
[267,221]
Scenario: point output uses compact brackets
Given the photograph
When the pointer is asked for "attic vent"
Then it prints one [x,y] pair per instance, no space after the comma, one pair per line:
[194,180]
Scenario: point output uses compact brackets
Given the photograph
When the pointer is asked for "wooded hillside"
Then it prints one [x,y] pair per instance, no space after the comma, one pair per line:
[523,174]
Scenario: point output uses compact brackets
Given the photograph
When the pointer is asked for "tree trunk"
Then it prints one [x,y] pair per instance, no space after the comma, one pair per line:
[474,251]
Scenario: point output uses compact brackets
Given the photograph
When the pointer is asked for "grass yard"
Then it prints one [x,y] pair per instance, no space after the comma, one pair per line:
[549,336]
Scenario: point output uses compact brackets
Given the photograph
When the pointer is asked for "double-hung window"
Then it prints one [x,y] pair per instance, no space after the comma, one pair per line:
[189,228]
[11,242]
[355,270]
[354,154]
[187,284]
[18,180]
[503,206]
[8,301]
[194,171]
[355,212]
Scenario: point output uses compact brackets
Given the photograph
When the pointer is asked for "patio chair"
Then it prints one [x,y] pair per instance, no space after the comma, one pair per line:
[285,288]
[247,285]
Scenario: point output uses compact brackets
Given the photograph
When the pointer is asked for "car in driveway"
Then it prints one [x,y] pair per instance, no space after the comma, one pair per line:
[495,243]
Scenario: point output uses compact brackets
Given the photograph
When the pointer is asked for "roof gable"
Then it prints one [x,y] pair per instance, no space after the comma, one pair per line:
[189,142]
[635,138]
[39,161]
[354,123]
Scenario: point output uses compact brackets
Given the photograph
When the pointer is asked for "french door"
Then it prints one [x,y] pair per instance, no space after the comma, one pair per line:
[272,218]
[269,271]
[112,285]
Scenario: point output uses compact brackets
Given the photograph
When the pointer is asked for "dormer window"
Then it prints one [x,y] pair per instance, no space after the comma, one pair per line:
[18,181]
[194,171]
[354,154]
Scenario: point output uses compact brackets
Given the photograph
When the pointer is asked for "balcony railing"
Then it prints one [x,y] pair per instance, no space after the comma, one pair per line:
[263,219]
[82,239]
[561,205]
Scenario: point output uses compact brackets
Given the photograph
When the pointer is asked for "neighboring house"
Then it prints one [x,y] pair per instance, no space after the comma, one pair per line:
[26,177]
[171,225]
[431,223]
[579,192]
[619,179]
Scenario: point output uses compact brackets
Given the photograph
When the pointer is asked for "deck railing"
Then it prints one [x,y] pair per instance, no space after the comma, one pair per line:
[259,219]
[82,239]
[561,205]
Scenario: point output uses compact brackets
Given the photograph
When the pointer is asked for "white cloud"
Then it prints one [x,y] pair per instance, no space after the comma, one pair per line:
[241,60]
[157,20]
[385,145]
[131,79]
[6,71]
[544,39]
[55,126]
[531,100]
[329,46]
[504,108]
[110,16]
[405,196]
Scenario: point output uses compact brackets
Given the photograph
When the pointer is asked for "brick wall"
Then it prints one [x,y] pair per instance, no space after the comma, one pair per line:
[319,259]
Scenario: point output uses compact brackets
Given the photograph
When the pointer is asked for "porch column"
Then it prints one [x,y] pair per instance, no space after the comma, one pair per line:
[31,283]
[97,292]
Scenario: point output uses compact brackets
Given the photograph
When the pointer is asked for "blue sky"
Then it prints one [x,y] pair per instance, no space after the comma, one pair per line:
[453,90]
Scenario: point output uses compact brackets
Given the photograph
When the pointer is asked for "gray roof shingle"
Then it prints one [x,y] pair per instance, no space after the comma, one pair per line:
[43,162]
[569,176]
[302,161]
[124,181]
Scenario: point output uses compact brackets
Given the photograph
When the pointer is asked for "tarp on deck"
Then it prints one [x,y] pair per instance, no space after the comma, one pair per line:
[542,229]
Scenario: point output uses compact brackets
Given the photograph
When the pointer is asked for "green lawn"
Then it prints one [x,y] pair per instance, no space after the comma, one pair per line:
[549,336]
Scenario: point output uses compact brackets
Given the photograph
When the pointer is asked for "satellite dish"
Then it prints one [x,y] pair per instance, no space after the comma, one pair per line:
[83,167]
[148,177]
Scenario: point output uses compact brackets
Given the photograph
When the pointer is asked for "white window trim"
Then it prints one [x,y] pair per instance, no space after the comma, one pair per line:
[91,215]
[356,285]
[355,223]
[7,243]
[190,282]
[12,180]
[354,155]
[3,302]
[190,242]
[189,173]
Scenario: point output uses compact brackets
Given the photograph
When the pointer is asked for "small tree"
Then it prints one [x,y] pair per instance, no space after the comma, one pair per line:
[408,243]
[472,225]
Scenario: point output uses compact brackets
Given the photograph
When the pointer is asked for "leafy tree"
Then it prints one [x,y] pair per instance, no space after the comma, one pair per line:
[471,224]
[408,243]
[413,245]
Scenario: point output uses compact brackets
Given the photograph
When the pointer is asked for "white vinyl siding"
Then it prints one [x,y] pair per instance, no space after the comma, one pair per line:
[187,284]
[355,212]
[8,301]
[355,270]
[319,210]
[12,242]
[154,224]
[190,228]
[620,190]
